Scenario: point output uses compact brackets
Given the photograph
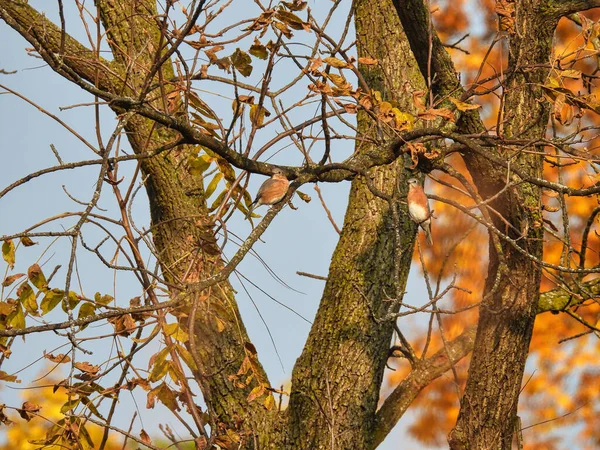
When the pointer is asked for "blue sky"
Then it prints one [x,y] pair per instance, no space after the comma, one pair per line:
[297,240]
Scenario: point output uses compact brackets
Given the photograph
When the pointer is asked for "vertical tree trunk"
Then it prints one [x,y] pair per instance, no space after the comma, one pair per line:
[336,381]
[181,231]
[489,407]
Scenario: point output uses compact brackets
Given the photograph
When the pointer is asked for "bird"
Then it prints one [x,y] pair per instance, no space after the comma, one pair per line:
[271,191]
[418,207]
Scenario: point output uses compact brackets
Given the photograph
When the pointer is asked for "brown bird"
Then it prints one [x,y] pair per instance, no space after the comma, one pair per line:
[271,191]
[418,207]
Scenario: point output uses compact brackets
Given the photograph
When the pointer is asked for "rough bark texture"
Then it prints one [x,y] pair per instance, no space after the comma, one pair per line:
[336,381]
[489,407]
[181,234]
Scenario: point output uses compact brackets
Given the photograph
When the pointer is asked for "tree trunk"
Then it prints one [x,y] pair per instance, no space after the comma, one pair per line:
[487,418]
[336,381]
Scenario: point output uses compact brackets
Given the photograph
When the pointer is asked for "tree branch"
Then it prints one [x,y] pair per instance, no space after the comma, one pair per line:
[561,8]
[48,40]
[396,404]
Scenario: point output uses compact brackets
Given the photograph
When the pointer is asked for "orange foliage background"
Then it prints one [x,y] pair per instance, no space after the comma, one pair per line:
[560,393]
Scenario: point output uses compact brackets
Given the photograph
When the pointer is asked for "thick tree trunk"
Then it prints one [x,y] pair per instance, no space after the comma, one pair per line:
[507,313]
[182,233]
[336,381]
[487,418]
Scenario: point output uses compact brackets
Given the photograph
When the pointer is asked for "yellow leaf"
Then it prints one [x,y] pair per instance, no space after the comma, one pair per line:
[258,114]
[334,62]
[213,184]
[462,106]
[367,61]
[269,402]
[8,252]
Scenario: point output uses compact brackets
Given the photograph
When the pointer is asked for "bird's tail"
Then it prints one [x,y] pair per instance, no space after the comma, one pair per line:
[427,229]
[251,208]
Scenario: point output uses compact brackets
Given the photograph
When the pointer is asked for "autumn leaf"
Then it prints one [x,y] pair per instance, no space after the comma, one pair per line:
[28,410]
[334,62]
[87,367]
[259,50]
[52,298]
[8,378]
[145,438]
[11,279]
[433,114]
[61,358]
[269,402]
[258,114]
[8,252]
[367,61]
[462,106]
[27,241]
[242,62]
[36,276]
[256,392]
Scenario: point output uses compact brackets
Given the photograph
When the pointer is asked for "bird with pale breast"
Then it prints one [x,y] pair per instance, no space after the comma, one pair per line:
[271,192]
[418,207]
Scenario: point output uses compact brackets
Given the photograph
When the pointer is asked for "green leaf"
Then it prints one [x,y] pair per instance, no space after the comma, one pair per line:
[258,114]
[186,356]
[86,310]
[198,165]
[87,439]
[160,365]
[69,405]
[8,252]
[259,50]
[51,299]
[73,300]
[217,201]
[90,405]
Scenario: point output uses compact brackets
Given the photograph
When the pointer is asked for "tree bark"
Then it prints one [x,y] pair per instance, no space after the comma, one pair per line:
[336,381]
[487,417]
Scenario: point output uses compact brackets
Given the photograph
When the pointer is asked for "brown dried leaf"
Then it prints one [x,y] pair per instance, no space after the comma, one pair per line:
[28,410]
[87,367]
[145,438]
[367,61]
[433,114]
[27,242]
[11,279]
[61,358]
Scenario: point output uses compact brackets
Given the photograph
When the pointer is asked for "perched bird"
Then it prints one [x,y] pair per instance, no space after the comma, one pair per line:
[418,207]
[271,191]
